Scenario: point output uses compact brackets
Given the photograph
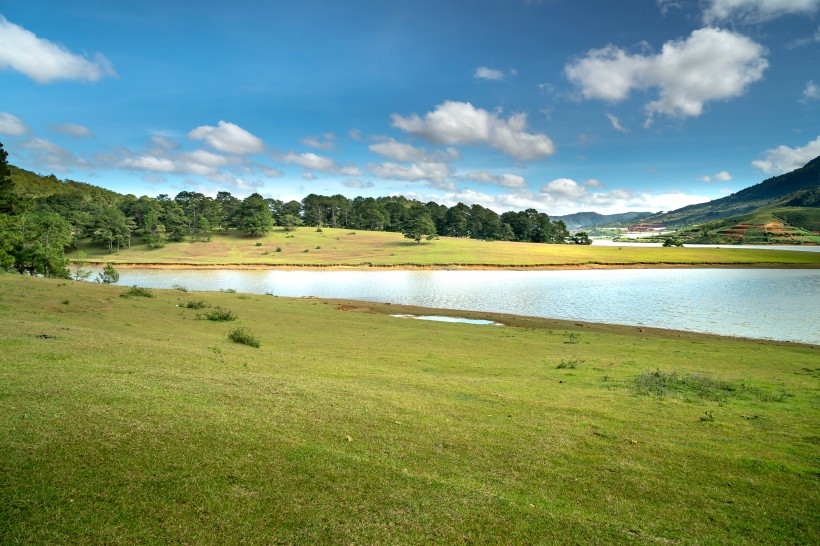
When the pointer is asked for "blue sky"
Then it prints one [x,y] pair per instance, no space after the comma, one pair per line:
[559,105]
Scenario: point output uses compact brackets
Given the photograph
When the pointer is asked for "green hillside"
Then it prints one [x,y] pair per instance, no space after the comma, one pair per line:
[804,182]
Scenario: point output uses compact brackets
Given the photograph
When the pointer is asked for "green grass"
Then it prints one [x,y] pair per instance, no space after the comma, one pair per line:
[125,420]
[341,247]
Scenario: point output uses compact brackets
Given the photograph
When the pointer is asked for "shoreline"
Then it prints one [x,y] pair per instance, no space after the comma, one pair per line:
[365,266]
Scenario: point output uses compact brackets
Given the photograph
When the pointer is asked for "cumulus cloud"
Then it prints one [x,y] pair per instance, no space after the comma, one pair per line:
[314,162]
[164,142]
[44,61]
[784,159]
[73,129]
[454,123]
[616,123]
[711,64]
[326,141]
[196,162]
[430,171]
[811,92]
[503,180]
[722,176]
[755,11]
[356,183]
[594,183]
[228,137]
[11,125]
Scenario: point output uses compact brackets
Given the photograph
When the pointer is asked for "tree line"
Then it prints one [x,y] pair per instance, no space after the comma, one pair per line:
[42,217]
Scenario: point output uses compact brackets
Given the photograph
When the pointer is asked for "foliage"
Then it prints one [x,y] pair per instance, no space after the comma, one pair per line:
[696,385]
[581,238]
[422,227]
[669,242]
[218,314]
[109,275]
[137,291]
[569,363]
[80,262]
[197,304]
[243,336]
[253,216]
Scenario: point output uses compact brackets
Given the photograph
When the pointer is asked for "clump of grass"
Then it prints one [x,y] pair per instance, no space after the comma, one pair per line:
[197,304]
[217,314]
[572,338]
[306,250]
[258,244]
[241,335]
[318,247]
[180,288]
[66,302]
[659,383]
[137,291]
[569,364]
[278,249]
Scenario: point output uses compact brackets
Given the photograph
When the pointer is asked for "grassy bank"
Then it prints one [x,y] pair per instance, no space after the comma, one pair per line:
[130,420]
[338,247]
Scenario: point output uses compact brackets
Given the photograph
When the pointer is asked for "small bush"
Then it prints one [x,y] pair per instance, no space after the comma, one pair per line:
[318,248]
[228,290]
[137,291]
[306,250]
[570,364]
[258,244]
[572,338]
[180,288]
[278,249]
[318,230]
[241,335]
[197,304]
[217,314]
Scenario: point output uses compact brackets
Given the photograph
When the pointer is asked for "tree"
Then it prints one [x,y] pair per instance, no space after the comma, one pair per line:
[254,217]
[581,238]
[80,261]
[290,222]
[34,243]
[9,200]
[109,275]
[421,227]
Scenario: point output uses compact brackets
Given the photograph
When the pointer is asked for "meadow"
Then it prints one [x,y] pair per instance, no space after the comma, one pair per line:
[345,248]
[129,416]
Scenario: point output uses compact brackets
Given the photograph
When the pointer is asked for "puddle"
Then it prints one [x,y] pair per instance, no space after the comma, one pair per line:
[450,319]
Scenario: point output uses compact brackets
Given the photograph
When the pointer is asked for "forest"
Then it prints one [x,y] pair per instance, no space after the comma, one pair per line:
[42,216]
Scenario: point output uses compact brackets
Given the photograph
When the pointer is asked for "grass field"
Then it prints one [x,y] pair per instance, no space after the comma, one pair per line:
[127,420]
[338,247]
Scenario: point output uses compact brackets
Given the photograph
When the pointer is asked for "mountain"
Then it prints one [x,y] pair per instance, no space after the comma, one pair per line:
[788,189]
[581,220]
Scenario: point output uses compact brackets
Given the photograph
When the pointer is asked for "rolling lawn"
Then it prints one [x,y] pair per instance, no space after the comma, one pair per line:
[341,247]
[127,420]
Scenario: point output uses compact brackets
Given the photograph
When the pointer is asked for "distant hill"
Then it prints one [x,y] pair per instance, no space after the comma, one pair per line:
[796,188]
[31,185]
[581,220]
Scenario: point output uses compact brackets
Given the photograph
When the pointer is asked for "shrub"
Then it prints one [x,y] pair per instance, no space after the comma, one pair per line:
[241,335]
[318,230]
[306,250]
[572,338]
[570,363]
[197,304]
[228,290]
[179,287]
[217,314]
[278,249]
[258,244]
[109,275]
[137,291]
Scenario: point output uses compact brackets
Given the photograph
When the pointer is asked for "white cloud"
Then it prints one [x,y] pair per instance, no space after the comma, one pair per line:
[784,159]
[46,154]
[453,123]
[811,92]
[431,171]
[270,172]
[321,142]
[73,129]
[564,187]
[594,183]
[314,162]
[711,64]
[356,183]
[164,142]
[44,61]
[355,134]
[228,137]
[401,151]
[503,180]
[149,163]
[308,176]
[755,11]
[616,123]
[485,73]
[722,176]
[667,5]
[197,162]
[11,125]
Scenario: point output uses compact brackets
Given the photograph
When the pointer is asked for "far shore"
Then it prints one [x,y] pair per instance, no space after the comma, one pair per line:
[458,267]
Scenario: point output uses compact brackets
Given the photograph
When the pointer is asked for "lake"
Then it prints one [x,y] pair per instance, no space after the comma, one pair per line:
[781,304]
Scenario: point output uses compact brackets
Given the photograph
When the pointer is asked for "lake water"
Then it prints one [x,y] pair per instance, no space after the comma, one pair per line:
[795,248]
[760,303]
